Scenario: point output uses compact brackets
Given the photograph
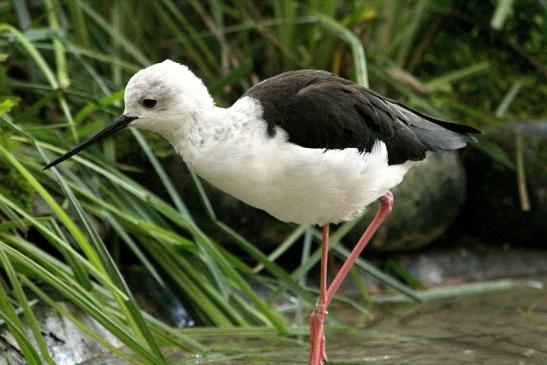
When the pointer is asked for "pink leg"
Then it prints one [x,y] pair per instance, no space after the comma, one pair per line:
[317,317]
[386,203]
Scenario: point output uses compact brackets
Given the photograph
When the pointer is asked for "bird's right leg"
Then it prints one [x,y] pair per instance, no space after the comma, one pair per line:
[317,317]
[318,352]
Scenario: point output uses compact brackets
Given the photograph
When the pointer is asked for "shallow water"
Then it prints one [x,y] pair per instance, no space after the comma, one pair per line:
[504,327]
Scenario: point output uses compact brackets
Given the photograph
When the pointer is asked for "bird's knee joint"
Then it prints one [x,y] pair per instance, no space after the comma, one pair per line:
[387,201]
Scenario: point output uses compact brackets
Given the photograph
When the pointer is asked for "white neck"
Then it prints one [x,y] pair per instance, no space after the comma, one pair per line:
[212,135]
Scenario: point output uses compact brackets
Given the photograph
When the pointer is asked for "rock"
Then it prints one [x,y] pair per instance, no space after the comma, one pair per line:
[155,299]
[470,261]
[493,211]
[66,343]
[426,203]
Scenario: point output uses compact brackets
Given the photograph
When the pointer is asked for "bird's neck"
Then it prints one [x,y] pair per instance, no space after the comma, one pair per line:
[198,131]
[217,132]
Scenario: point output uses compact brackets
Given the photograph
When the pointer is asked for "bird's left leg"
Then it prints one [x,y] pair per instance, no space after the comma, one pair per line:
[386,204]
[318,352]
[317,317]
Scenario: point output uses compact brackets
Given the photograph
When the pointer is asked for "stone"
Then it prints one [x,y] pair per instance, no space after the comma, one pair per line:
[494,210]
[157,300]
[66,343]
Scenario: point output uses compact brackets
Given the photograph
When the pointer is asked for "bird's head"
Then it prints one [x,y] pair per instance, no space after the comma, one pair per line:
[159,98]
[162,96]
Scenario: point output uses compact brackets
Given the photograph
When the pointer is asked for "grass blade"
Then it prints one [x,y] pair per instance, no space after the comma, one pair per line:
[16,328]
[24,303]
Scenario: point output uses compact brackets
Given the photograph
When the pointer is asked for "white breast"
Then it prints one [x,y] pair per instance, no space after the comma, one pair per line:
[292,183]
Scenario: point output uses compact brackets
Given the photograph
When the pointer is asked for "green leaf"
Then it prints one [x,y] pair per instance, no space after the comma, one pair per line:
[504,10]
[7,104]
[23,301]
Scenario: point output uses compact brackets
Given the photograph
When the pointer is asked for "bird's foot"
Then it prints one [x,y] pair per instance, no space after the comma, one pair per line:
[318,353]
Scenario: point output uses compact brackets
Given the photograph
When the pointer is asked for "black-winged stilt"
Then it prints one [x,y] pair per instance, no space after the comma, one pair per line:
[306,146]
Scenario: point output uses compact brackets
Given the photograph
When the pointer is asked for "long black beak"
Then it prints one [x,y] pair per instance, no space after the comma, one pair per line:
[117,125]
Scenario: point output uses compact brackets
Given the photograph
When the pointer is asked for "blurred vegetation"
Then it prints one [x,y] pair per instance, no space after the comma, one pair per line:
[63,66]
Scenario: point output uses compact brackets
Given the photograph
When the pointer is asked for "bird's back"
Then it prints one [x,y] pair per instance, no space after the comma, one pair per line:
[320,110]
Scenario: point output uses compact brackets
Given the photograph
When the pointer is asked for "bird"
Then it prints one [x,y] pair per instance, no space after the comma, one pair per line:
[306,146]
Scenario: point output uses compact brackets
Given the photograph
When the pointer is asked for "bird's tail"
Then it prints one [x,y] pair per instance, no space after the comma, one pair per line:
[436,134]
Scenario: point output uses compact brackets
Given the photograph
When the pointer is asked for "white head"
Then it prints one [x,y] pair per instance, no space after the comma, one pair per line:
[163,96]
[160,98]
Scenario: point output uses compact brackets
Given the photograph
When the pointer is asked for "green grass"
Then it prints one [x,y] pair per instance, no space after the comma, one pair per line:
[63,65]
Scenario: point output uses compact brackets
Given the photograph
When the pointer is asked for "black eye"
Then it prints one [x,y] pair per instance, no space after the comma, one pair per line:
[149,103]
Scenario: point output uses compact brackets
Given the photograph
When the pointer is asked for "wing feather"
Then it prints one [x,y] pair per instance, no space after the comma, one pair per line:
[320,110]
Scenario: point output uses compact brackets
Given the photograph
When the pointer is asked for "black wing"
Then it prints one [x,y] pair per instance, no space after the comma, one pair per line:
[320,110]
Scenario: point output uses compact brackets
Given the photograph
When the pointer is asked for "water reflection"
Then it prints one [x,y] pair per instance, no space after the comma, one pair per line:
[504,327]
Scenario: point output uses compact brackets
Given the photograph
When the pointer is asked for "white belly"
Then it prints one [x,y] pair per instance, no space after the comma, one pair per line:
[297,184]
